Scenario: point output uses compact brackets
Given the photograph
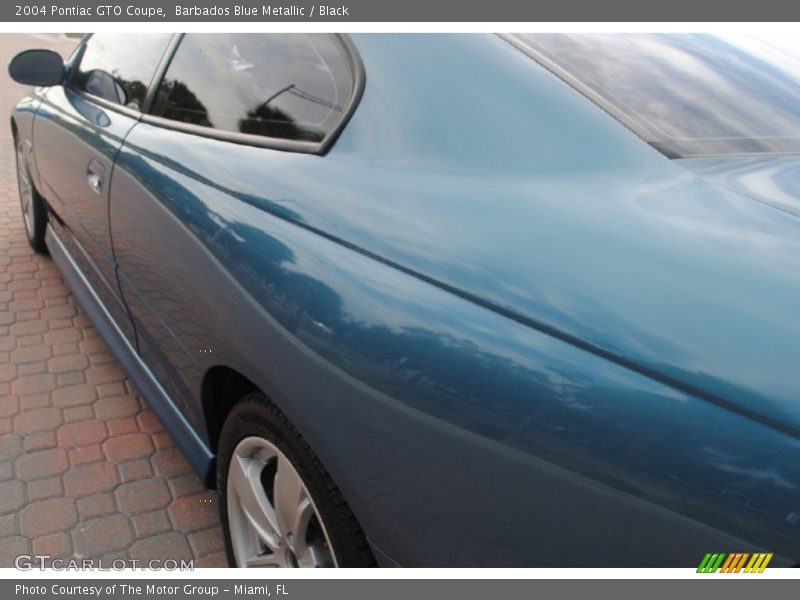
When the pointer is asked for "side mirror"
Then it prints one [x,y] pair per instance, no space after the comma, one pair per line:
[37,67]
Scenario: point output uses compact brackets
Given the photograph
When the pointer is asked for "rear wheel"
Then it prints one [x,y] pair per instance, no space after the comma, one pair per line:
[279,507]
[34,214]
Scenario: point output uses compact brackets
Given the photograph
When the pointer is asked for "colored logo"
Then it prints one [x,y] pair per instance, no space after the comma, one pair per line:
[735,563]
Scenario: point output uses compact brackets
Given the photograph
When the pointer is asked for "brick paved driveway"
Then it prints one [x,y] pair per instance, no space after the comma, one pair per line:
[85,468]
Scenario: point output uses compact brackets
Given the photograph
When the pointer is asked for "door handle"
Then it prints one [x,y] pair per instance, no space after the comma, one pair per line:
[95,182]
[94,175]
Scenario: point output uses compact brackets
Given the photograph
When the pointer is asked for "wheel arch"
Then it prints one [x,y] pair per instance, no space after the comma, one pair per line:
[221,389]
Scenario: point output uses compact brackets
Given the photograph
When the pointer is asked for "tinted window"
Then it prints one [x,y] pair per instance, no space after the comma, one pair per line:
[689,94]
[119,67]
[288,86]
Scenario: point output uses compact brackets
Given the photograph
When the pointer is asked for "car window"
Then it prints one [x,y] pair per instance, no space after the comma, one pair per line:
[688,94]
[286,86]
[119,67]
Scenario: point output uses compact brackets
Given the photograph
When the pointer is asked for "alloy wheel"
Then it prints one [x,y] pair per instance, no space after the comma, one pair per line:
[25,190]
[272,518]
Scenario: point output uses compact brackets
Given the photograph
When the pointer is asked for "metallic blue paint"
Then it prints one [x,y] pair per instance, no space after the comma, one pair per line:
[74,138]
[513,332]
[772,180]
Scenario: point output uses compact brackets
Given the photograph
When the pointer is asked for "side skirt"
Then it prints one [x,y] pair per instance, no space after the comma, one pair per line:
[176,424]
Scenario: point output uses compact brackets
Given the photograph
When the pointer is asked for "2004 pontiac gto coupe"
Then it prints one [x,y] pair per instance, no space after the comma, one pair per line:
[444,300]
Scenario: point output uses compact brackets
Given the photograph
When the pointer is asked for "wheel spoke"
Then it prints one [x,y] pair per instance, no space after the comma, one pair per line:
[272,526]
[25,190]
[264,560]
[293,508]
[23,176]
[244,477]
[315,556]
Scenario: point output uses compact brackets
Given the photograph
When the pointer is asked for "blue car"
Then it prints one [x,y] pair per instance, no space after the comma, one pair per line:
[444,300]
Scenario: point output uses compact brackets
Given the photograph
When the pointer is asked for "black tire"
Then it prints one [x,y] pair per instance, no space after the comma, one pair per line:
[35,222]
[255,415]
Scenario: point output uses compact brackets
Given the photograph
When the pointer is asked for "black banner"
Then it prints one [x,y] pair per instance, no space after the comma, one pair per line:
[732,588]
[258,11]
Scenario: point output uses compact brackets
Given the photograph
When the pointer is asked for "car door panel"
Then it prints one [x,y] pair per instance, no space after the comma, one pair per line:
[149,245]
[76,142]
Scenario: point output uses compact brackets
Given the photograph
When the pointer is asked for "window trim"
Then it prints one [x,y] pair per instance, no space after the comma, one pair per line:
[319,148]
[639,129]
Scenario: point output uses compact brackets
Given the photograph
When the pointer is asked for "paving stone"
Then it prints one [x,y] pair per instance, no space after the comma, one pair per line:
[28,327]
[9,406]
[40,441]
[116,388]
[101,358]
[185,485]
[74,395]
[135,469]
[97,505]
[47,516]
[11,548]
[61,336]
[58,312]
[148,422]
[90,479]
[31,354]
[7,470]
[35,401]
[27,340]
[13,496]
[66,348]
[142,496]
[8,372]
[57,545]
[103,535]
[85,455]
[170,462]
[39,419]
[33,384]
[162,441]
[8,525]
[41,489]
[70,378]
[116,407]
[121,426]
[191,513]
[44,463]
[213,561]
[151,523]
[162,547]
[128,446]
[10,445]
[78,413]
[93,346]
[208,541]
[107,373]
[82,433]
[67,362]
[33,368]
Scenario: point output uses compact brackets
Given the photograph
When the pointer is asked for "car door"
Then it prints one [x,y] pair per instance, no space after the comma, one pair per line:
[225,99]
[77,133]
